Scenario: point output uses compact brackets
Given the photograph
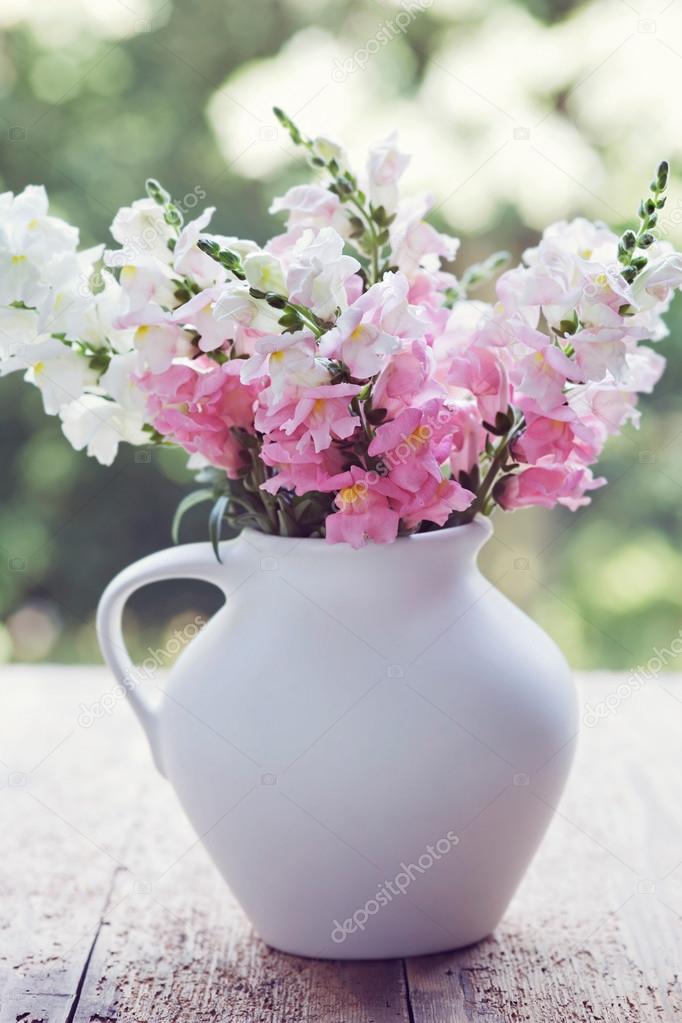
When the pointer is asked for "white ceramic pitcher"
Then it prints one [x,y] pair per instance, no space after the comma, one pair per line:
[369,743]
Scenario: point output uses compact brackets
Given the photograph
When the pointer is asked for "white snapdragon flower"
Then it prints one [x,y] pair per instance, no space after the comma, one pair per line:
[362,346]
[416,244]
[189,260]
[61,373]
[99,425]
[264,272]
[319,270]
[142,232]
[290,362]
[37,251]
[157,338]
[197,314]
[85,308]
[158,344]
[144,283]
[312,206]
[655,283]
[242,315]
[119,381]
[385,166]
[242,246]
[328,150]
[96,319]
[18,329]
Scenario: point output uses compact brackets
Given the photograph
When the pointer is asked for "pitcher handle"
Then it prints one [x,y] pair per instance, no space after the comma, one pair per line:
[190,561]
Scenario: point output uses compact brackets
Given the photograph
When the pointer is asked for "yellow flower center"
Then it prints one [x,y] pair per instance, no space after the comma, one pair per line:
[352,494]
[18,259]
[418,437]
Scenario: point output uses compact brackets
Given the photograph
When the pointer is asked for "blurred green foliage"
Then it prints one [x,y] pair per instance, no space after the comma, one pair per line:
[91,118]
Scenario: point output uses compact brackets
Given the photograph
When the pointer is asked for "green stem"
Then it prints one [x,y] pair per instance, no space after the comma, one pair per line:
[308,318]
[371,230]
[498,461]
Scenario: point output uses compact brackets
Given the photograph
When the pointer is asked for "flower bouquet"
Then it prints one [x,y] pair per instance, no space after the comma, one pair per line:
[339,381]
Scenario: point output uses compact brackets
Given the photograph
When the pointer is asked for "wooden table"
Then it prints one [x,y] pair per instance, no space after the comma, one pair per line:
[110,909]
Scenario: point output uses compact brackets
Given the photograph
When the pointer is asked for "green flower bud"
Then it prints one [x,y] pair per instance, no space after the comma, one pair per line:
[156,192]
[662,177]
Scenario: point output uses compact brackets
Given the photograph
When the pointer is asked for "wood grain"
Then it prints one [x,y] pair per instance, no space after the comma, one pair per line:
[111,911]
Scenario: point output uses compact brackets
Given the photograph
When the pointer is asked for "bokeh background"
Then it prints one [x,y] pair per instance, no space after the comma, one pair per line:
[516,114]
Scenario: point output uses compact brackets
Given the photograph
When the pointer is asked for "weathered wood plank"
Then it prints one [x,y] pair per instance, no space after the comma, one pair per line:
[164,959]
[595,932]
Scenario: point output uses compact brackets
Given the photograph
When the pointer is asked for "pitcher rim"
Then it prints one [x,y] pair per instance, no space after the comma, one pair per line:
[482,522]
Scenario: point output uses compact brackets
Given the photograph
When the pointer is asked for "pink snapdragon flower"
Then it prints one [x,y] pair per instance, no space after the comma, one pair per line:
[523,292]
[543,374]
[197,404]
[427,292]
[468,439]
[387,305]
[548,485]
[613,402]
[407,379]
[482,372]
[435,502]
[365,512]
[415,444]
[558,436]
[321,415]
[599,352]
[300,471]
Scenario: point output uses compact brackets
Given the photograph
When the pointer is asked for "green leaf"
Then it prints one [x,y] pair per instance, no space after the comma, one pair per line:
[215,523]
[188,501]
[300,508]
